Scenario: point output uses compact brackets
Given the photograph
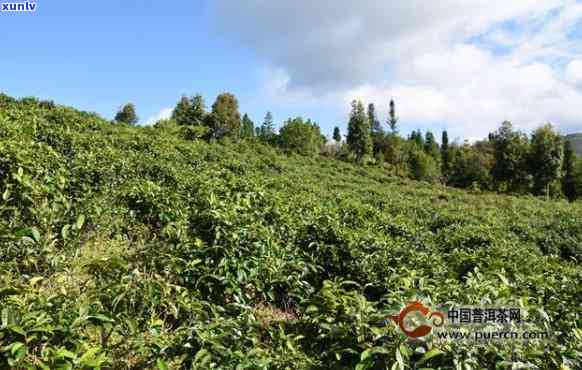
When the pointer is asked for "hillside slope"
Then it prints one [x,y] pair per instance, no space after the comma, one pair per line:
[128,247]
[576,140]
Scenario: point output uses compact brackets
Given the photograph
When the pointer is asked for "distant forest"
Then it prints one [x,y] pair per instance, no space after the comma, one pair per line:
[541,163]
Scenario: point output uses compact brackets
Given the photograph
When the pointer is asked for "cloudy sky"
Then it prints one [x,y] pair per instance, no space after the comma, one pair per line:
[463,65]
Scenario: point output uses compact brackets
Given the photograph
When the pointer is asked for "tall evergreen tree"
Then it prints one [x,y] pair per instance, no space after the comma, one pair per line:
[392,118]
[267,130]
[337,136]
[569,180]
[375,126]
[430,145]
[127,114]
[248,127]
[445,154]
[417,138]
[359,139]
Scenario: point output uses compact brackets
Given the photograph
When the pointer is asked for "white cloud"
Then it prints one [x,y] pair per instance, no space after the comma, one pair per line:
[574,72]
[466,64]
[482,91]
[163,114]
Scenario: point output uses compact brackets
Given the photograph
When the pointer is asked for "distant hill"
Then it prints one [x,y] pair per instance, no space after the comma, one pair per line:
[576,140]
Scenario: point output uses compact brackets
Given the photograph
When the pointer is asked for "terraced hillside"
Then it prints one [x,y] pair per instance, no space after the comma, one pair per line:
[124,247]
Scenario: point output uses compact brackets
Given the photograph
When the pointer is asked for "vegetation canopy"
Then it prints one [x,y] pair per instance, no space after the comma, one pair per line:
[124,247]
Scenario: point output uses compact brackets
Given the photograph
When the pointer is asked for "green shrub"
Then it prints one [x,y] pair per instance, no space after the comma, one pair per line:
[129,247]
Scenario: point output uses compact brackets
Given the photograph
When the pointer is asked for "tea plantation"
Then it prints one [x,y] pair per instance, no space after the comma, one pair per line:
[132,248]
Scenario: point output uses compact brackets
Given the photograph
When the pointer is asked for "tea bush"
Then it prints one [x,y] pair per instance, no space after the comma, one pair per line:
[127,247]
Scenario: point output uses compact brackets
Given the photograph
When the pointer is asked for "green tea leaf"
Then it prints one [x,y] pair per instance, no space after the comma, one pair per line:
[35,234]
[429,355]
[65,231]
[80,222]
[161,364]
[18,350]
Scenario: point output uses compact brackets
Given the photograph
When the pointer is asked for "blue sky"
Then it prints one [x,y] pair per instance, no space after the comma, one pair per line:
[463,65]
[98,55]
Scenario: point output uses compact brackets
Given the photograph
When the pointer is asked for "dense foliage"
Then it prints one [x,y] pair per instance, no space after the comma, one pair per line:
[359,138]
[301,136]
[576,140]
[127,247]
[190,111]
[225,118]
[508,161]
[127,114]
[247,127]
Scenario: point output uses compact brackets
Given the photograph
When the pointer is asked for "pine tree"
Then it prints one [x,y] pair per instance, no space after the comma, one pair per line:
[569,180]
[248,127]
[445,154]
[359,139]
[417,138]
[267,130]
[430,145]
[392,118]
[127,114]
[337,136]
[375,126]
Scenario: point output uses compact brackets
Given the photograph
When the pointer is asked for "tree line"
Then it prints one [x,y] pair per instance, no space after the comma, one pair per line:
[508,160]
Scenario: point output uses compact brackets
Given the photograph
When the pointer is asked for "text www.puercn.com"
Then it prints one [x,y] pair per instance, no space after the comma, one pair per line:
[18,7]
